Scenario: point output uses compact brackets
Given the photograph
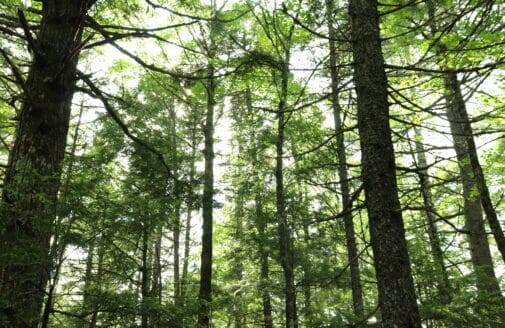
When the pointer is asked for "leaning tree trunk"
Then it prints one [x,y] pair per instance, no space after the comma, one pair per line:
[479,245]
[33,174]
[459,116]
[352,250]
[397,299]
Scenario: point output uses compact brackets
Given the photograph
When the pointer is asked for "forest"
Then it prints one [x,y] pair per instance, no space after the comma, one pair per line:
[252,163]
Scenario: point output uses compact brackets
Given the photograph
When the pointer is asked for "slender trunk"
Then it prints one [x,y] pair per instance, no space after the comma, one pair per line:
[238,267]
[473,188]
[397,299]
[145,278]
[264,270]
[96,299]
[460,115]
[444,288]
[309,311]
[58,247]
[187,232]
[352,251]
[284,229]
[479,244]
[88,277]
[187,247]
[205,293]
[176,236]
[156,276]
[33,175]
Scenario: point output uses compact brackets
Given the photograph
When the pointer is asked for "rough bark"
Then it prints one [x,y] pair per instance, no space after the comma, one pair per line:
[34,169]
[444,288]
[397,299]
[352,251]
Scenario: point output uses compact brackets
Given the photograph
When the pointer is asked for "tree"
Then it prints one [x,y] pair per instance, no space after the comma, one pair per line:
[33,175]
[397,299]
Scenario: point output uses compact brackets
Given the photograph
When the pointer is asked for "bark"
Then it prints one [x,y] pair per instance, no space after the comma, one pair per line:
[187,246]
[238,267]
[145,278]
[34,169]
[284,230]
[88,277]
[479,244]
[350,237]
[264,270]
[59,245]
[98,281]
[472,180]
[187,232]
[156,276]
[460,115]
[397,299]
[205,293]
[176,236]
[444,288]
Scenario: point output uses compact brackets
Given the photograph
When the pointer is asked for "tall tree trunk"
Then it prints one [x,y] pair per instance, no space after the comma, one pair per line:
[264,269]
[58,245]
[87,303]
[284,229]
[397,299]
[473,188]
[156,284]
[205,293]
[187,225]
[479,245]
[350,237]
[176,237]
[238,267]
[145,278]
[33,174]
[96,299]
[459,117]
[444,288]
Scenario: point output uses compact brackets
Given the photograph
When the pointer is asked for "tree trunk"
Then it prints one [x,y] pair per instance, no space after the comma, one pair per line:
[397,299]
[444,288]
[145,278]
[205,293]
[58,245]
[352,251]
[284,229]
[238,267]
[176,236]
[96,299]
[157,270]
[264,270]
[467,143]
[33,174]
[189,211]
[479,245]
